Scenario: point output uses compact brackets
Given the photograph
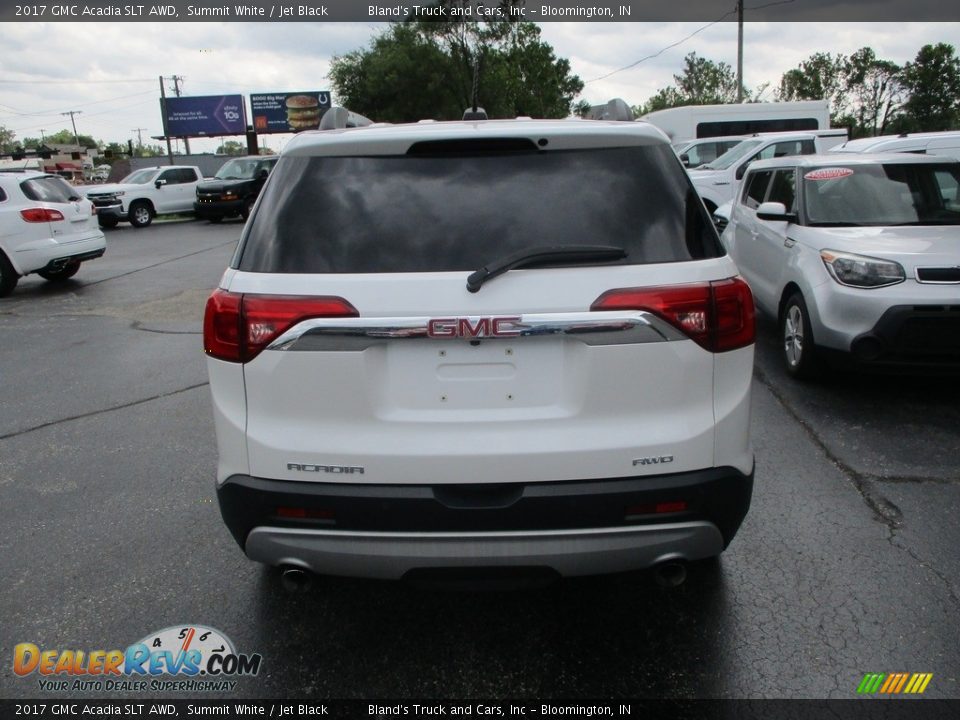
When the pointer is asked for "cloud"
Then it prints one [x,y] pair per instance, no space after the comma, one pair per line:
[110,71]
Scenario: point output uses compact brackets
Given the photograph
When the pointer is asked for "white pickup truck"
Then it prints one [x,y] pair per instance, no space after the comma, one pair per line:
[146,193]
[717,181]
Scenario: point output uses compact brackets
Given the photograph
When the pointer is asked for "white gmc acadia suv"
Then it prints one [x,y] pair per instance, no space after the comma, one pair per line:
[481,345]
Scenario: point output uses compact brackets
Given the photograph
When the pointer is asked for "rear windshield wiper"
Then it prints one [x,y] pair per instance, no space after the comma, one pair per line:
[545,255]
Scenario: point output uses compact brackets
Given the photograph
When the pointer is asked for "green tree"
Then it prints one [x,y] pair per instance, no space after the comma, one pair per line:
[822,76]
[705,82]
[667,97]
[7,138]
[875,91]
[115,150]
[417,70]
[932,83]
[232,147]
[66,137]
[702,82]
[865,92]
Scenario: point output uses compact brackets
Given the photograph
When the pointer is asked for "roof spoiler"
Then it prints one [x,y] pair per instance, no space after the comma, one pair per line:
[337,118]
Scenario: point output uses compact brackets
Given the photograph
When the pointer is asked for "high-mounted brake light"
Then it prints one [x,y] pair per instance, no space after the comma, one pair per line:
[39,215]
[236,327]
[718,315]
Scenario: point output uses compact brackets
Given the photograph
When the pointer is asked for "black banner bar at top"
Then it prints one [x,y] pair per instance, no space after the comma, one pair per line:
[530,10]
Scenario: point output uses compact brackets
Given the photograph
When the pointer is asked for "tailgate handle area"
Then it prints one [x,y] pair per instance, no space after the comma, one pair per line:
[477,497]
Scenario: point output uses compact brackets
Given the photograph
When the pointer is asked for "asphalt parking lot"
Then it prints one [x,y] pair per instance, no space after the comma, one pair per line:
[109,528]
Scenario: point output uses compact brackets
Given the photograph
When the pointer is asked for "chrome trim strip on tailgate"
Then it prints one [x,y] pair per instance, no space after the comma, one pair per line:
[591,328]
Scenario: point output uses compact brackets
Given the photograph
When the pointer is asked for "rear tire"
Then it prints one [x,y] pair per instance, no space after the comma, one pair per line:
[8,276]
[796,339]
[247,209]
[65,273]
[140,214]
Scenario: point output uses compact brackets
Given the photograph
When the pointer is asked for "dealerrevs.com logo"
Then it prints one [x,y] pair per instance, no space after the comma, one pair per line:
[187,658]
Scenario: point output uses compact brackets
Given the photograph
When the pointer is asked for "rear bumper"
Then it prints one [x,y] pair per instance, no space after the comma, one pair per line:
[390,556]
[61,262]
[574,528]
[50,254]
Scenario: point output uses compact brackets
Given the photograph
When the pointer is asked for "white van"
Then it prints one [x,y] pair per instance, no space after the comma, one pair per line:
[930,143]
[703,121]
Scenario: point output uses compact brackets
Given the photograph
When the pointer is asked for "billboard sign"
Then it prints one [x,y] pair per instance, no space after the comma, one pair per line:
[205,115]
[288,112]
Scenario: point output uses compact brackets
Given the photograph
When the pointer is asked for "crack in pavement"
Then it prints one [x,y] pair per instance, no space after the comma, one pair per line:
[884,509]
[92,413]
[162,262]
[137,325]
[894,537]
[79,291]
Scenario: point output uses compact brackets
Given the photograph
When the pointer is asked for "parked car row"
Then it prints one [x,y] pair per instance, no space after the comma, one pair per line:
[176,189]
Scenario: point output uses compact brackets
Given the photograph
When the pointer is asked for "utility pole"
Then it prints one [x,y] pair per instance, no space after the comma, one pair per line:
[43,138]
[176,88]
[739,51]
[71,113]
[139,132]
[166,132]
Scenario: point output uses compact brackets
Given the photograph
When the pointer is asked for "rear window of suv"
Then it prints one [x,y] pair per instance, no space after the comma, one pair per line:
[453,211]
[49,189]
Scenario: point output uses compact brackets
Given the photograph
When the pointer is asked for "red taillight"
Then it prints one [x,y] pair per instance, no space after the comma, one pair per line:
[660,508]
[38,215]
[236,327]
[718,315]
[299,513]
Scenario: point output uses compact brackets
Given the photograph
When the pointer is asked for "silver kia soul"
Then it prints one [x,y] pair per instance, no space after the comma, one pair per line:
[491,344]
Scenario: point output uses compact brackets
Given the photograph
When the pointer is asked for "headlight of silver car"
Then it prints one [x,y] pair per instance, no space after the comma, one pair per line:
[862,271]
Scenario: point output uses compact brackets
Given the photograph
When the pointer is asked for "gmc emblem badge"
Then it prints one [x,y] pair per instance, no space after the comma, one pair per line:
[473,327]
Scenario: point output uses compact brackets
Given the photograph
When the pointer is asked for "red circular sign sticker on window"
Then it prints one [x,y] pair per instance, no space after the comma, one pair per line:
[828,173]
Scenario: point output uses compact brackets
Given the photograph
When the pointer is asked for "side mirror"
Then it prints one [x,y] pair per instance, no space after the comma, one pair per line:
[775,211]
[742,170]
[159,183]
[685,159]
[262,175]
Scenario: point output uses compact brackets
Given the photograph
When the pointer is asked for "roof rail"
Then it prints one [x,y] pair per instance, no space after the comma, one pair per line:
[615,109]
[337,118]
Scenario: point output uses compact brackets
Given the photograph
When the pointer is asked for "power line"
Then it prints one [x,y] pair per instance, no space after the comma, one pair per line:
[51,113]
[89,115]
[72,82]
[668,47]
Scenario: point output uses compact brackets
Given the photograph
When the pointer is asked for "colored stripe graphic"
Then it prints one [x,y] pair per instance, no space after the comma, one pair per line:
[891,680]
[894,683]
[868,683]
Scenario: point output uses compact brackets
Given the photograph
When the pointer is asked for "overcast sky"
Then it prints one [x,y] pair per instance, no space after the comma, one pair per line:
[109,71]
